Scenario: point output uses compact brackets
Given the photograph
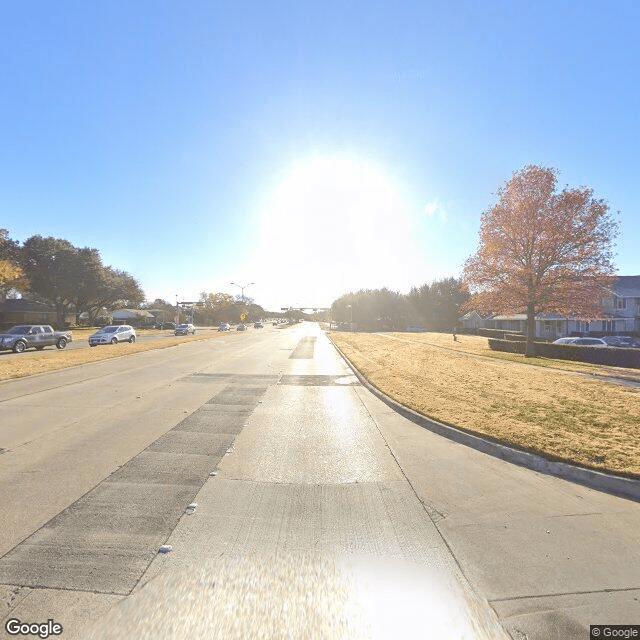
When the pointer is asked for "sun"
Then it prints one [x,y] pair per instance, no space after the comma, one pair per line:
[335,223]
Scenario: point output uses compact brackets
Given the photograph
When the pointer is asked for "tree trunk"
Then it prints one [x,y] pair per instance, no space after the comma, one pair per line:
[530,350]
[60,314]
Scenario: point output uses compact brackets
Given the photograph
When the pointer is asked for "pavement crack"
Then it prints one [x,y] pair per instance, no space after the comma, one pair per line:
[575,515]
[562,593]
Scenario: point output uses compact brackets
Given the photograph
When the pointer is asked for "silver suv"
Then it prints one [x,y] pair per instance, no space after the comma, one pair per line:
[185,330]
[112,335]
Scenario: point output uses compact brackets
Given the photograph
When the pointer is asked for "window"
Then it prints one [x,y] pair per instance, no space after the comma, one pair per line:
[582,327]
[620,303]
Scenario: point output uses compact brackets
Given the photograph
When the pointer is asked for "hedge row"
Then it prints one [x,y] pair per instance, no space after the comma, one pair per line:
[500,334]
[614,356]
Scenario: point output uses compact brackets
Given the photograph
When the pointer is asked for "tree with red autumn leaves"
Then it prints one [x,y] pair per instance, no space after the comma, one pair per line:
[542,250]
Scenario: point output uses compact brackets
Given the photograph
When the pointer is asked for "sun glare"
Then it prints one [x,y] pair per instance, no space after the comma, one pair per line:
[334,224]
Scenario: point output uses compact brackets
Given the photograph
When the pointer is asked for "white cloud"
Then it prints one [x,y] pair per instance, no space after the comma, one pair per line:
[435,209]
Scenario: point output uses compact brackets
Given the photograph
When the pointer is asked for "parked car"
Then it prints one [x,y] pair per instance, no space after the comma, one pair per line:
[241,327]
[258,325]
[38,336]
[591,342]
[112,334]
[224,327]
[566,340]
[169,325]
[626,342]
[185,330]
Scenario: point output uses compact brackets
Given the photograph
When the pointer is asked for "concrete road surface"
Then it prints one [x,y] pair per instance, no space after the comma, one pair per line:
[295,503]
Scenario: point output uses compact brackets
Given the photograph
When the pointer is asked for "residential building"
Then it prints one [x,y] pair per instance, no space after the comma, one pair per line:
[20,311]
[621,316]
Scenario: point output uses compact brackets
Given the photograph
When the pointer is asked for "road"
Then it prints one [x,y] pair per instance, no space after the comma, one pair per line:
[328,515]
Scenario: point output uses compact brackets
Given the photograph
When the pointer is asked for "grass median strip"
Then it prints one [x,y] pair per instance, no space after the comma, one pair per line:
[33,362]
[541,408]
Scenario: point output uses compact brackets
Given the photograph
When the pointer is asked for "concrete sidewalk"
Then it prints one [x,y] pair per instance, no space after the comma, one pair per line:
[550,556]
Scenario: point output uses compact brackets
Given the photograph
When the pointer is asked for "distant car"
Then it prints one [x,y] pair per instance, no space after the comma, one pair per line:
[590,342]
[629,342]
[565,340]
[275,323]
[258,325]
[625,342]
[169,325]
[241,327]
[185,330]
[224,327]
[112,334]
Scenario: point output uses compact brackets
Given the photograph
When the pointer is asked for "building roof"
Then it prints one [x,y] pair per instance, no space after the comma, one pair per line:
[473,312]
[22,305]
[131,313]
[627,286]
[523,316]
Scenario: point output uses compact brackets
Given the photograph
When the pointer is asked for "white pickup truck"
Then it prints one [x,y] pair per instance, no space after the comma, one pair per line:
[38,336]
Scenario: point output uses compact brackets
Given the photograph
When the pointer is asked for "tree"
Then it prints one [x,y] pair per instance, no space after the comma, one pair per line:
[542,251]
[217,307]
[67,276]
[11,275]
[52,267]
[379,309]
[111,288]
[438,304]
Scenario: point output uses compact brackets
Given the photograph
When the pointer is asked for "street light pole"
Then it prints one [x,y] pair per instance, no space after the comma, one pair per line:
[242,288]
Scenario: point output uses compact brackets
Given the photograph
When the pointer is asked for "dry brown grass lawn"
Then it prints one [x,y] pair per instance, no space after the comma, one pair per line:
[549,408]
[33,362]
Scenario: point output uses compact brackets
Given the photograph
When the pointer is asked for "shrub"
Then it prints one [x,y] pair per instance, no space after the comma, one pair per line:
[613,356]
[511,346]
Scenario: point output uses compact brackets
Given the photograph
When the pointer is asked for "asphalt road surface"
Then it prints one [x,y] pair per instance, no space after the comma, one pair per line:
[316,511]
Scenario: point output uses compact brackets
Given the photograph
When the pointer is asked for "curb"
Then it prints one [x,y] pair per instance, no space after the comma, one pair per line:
[615,485]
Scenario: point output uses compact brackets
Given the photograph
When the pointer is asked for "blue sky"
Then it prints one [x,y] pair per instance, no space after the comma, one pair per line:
[311,148]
